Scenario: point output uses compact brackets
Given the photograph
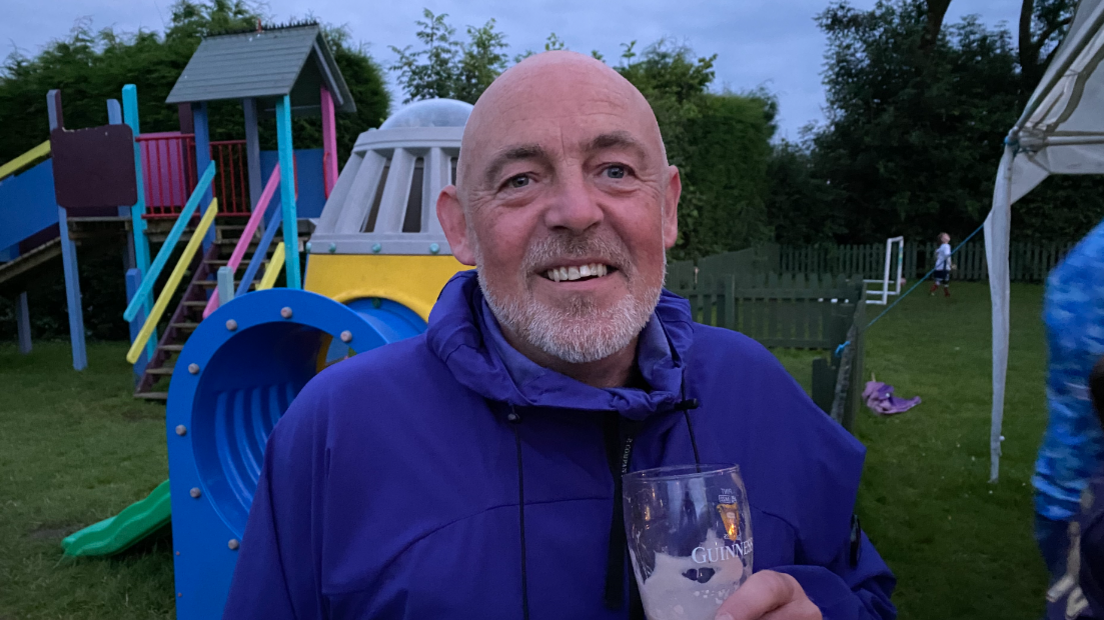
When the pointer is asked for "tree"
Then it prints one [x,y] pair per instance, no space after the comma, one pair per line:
[917,111]
[912,132]
[448,68]
[482,60]
[1042,26]
[799,203]
[727,166]
[720,142]
[430,72]
[552,43]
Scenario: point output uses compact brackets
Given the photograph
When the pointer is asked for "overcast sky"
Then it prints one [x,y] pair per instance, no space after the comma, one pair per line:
[773,43]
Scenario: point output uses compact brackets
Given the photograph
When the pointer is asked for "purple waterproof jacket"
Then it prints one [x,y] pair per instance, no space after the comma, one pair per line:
[446,476]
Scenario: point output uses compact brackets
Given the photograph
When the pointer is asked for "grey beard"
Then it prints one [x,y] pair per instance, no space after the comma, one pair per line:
[580,333]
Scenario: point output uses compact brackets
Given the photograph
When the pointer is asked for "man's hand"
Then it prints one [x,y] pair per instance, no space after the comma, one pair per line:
[768,595]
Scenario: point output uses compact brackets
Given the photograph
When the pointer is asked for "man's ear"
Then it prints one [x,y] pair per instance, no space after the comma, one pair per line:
[455,224]
[670,207]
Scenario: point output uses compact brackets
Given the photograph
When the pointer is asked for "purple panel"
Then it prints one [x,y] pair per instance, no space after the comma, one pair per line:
[94,167]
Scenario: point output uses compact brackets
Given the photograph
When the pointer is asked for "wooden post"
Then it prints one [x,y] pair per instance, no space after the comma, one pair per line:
[252,150]
[287,191]
[138,223]
[23,323]
[225,280]
[203,159]
[184,116]
[133,281]
[69,256]
[329,141]
[115,117]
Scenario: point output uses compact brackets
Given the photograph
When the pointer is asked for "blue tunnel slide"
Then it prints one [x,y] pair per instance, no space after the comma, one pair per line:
[235,377]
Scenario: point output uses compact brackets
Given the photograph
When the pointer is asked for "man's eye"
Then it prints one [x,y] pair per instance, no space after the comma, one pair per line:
[519,181]
[615,172]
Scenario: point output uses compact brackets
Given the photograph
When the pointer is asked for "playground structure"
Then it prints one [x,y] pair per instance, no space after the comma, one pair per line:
[235,353]
[379,237]
[236,349]
[377,260]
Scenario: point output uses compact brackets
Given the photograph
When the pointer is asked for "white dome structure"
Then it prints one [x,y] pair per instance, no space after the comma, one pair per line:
[385,200]
[430,113]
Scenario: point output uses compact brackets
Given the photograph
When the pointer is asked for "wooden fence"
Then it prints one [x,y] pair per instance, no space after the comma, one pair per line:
[785,310]
[1026,262]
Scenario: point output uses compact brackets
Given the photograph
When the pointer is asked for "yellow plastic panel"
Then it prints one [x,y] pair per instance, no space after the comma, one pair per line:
[413,281]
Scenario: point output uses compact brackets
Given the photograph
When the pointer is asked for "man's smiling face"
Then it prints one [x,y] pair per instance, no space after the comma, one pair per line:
[569,206]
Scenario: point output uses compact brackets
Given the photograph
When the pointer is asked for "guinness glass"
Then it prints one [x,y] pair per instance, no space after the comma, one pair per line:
[689,536]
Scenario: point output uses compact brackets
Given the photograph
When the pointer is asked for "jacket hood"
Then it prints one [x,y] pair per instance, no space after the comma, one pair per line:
[458,335]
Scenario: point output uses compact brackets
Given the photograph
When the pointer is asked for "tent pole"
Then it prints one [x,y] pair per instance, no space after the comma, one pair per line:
[997,234]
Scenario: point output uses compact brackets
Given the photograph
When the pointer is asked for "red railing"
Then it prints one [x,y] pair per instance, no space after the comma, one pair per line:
[168,161]
[232,183]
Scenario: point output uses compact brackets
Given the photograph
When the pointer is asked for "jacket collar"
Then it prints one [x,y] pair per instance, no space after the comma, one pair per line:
[465,335]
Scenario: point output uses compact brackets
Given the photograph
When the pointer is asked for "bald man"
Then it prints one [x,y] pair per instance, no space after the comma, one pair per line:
[474,471]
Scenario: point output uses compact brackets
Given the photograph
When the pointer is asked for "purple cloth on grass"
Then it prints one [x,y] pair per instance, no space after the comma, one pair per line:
[879,397]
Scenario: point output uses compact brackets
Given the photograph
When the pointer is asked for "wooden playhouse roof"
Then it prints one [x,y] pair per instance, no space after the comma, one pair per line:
[264,64]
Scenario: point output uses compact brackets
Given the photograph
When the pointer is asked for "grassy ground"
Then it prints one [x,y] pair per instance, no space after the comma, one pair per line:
[799,363]
[76,448]
[961,547]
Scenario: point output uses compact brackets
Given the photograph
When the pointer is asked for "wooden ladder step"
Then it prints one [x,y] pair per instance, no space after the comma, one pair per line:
[214,284]
[195,304]
[171,347]
[253,243]
[152,395]
[163,371]
[219,262]
[186,325]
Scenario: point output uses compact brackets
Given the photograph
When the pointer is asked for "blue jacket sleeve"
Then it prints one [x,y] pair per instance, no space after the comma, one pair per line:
[277,573]
[845,592]
[1073,311]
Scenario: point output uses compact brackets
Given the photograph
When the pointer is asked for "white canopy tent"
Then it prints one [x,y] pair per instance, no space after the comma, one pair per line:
[1060,132]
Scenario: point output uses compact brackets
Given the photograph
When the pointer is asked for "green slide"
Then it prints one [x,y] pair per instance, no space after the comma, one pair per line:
[115,534]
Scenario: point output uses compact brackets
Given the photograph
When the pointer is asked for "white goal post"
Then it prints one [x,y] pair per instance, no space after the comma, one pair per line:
[880,296]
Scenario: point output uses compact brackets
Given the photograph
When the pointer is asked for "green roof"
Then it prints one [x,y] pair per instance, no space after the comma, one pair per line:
[266,65]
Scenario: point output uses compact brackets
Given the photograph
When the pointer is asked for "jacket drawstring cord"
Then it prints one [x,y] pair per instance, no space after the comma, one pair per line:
[685,406]
[515,420]
[618,546]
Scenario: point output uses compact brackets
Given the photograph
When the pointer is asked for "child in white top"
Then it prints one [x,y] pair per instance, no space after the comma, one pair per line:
[943,266]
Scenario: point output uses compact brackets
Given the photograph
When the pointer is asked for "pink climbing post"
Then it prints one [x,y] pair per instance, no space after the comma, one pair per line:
[247,235]
[329,141]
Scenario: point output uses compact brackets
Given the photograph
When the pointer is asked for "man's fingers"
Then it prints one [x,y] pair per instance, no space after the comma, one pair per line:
[797,610]
[763,593]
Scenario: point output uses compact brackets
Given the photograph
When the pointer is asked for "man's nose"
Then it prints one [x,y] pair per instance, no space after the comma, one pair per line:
[573,206]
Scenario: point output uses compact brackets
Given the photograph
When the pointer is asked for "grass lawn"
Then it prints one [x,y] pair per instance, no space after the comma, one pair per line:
[76,448]
[799,363]
[961,547]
